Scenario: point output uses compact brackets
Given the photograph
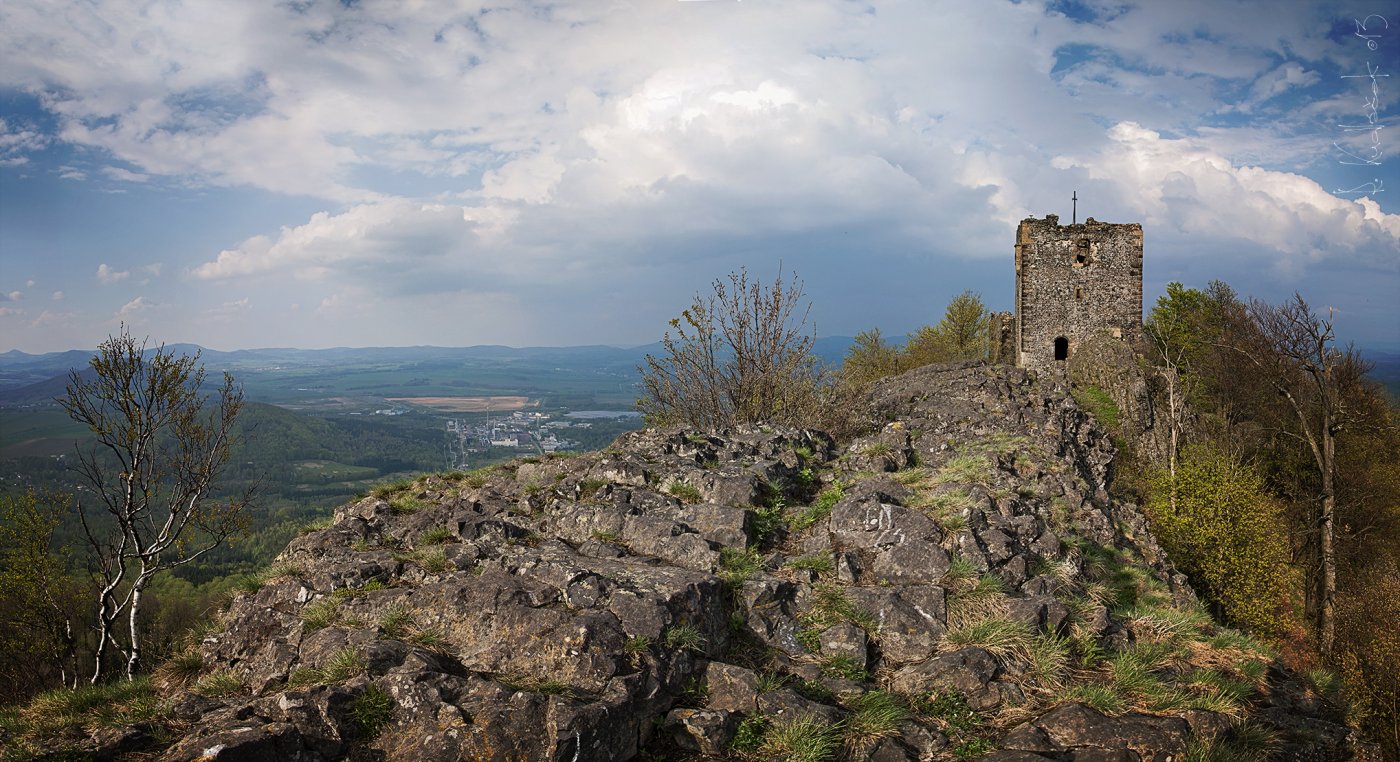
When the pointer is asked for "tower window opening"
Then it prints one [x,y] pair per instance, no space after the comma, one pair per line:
[1079,293]
[1061,348]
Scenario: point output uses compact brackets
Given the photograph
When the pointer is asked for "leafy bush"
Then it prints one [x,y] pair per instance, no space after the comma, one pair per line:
[1223,529]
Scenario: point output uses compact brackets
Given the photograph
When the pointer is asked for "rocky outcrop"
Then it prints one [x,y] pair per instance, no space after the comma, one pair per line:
[958,582]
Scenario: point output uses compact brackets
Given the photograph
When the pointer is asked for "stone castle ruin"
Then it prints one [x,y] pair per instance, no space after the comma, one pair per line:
[1073,283]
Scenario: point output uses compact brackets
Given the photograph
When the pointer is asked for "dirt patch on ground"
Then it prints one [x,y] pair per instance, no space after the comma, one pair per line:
[467,404]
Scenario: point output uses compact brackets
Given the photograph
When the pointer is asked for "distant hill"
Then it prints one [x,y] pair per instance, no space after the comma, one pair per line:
[1387,370]
[283,375]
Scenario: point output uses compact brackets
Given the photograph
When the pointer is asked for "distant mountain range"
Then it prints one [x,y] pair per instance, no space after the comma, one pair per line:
[30,379]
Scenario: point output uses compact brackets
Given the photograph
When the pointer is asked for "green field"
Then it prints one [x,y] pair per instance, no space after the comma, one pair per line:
[41,432]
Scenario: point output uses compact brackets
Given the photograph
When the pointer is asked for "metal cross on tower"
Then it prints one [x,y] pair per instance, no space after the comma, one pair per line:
[1074,215]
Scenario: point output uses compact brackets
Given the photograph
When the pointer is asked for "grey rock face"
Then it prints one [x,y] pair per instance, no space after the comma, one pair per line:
[644,600]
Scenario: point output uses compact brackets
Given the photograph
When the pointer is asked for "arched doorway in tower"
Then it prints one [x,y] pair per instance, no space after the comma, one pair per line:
[1061,348]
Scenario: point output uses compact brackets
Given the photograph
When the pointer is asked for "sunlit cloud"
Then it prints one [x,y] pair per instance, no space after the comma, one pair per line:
[108,275]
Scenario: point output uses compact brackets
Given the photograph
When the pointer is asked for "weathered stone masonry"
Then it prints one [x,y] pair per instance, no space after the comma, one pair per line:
[1074,282]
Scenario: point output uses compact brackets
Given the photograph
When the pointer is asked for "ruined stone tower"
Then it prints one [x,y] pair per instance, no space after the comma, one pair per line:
[1074,282]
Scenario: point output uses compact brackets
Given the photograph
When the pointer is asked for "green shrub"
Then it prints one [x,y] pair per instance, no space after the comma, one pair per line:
[1227,534]
[766,523]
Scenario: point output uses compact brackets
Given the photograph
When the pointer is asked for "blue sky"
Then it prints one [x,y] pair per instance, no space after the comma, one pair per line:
[316,174]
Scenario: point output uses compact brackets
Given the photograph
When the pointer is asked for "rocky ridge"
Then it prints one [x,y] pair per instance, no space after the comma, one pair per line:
[956,583]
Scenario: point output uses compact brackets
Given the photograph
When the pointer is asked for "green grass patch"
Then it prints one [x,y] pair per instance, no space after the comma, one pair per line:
[739,566]
[321,613]
[396,622]
[686,493]
[54,713]
[973,600]
[218,684]
[877,715]
[371,711]
[545,686]
[820,508]
[844,668]
[433,559]
[436,536]
[388,489]
[832,604]
[805,739]
[1097,403]
[820,563]
[1009,642]
[401,505]
[683,637]
[964,469]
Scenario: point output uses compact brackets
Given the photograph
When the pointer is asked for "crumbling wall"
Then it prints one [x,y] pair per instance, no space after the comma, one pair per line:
[1075,282]
[1001,344]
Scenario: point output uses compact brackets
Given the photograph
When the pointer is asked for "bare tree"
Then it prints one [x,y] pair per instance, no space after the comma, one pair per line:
[1294,351]
[159,451]
[740,355]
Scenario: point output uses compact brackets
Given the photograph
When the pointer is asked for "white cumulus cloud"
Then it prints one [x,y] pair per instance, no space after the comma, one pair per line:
[1186,186]
[135,306]
[106,274]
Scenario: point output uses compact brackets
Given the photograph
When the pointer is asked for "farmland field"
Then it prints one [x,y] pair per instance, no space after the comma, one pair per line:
[468,404]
